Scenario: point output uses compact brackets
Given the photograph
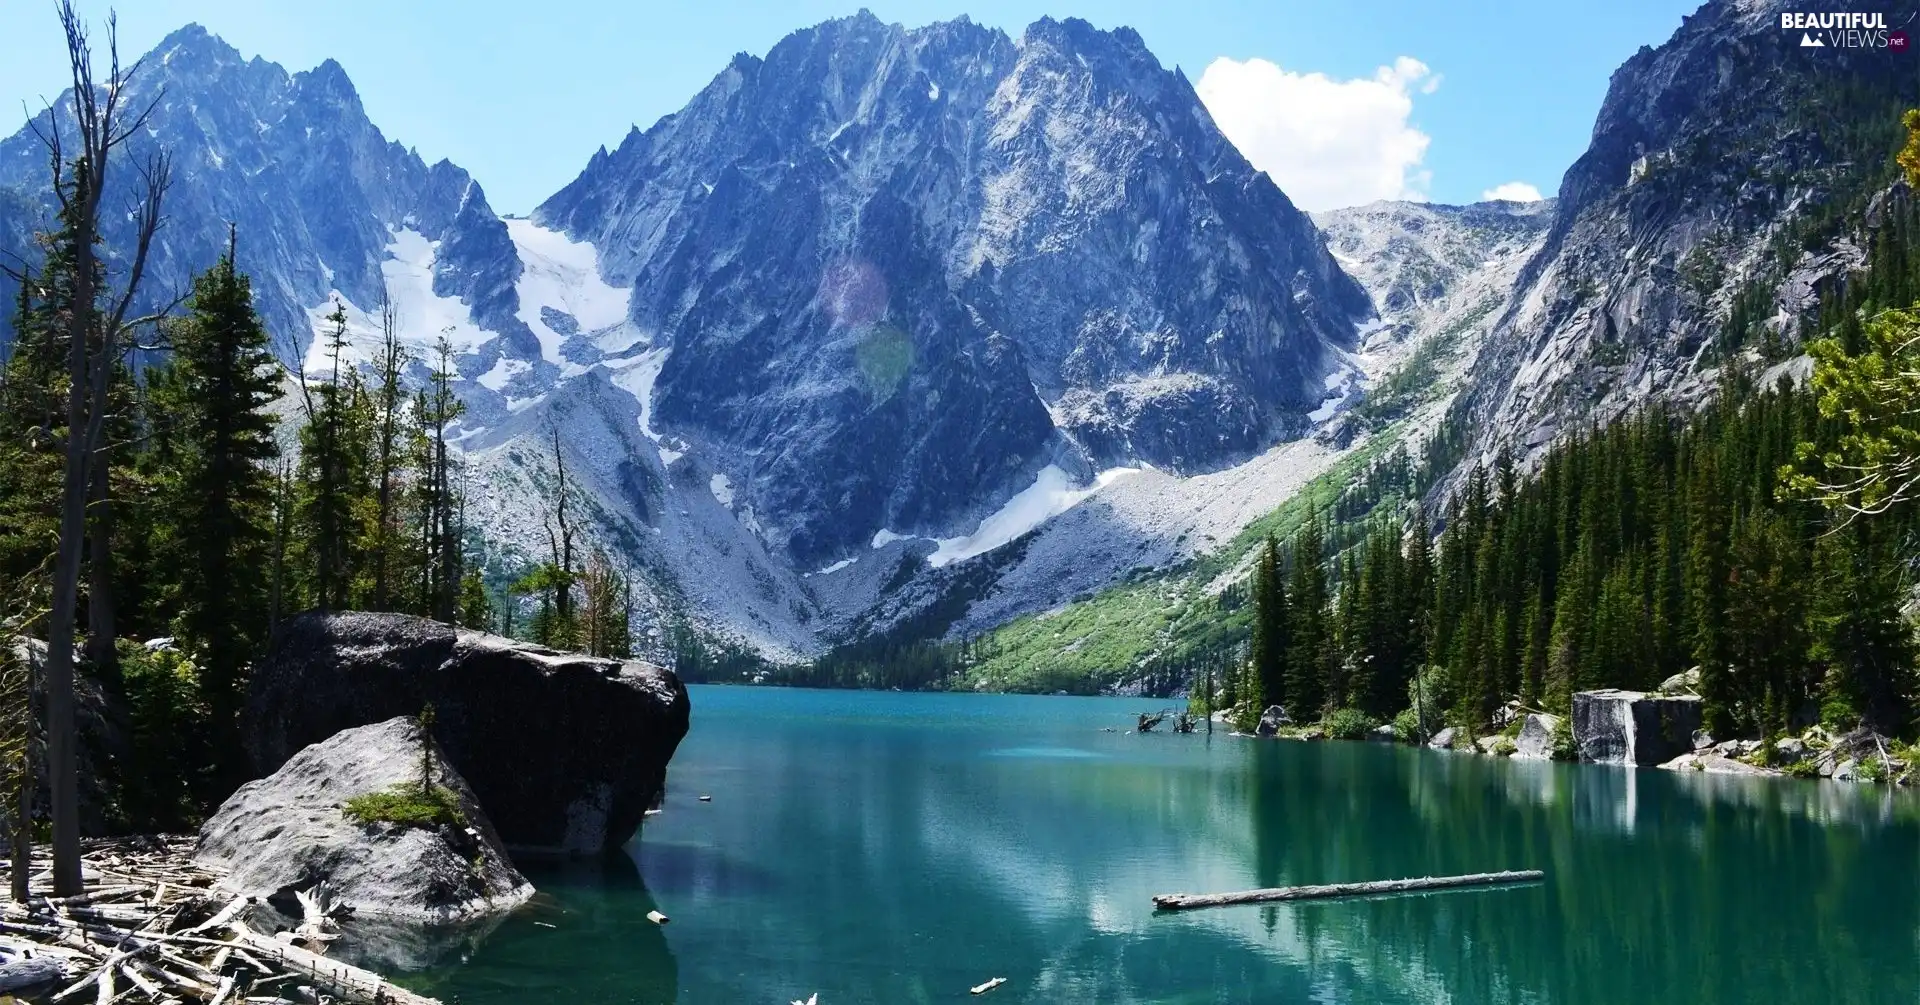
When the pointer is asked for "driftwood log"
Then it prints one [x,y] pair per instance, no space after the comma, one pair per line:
[349,982]
[152,928]
[1187,901]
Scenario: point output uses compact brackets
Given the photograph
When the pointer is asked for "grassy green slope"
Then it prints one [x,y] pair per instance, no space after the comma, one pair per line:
[1166,618]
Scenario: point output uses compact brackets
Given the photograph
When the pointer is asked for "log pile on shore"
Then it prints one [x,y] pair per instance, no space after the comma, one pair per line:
[150,928]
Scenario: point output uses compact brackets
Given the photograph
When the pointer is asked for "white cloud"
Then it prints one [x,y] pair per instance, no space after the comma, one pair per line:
[1327,143]
[1513,191]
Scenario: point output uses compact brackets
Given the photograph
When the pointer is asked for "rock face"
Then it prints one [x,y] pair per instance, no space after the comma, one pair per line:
[565,752]
[1707,149]
[923,260]
[288,831]
[1535,741]
[316,190]
[1631,727]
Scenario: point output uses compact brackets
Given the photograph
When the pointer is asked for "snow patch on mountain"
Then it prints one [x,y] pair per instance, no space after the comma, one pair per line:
[422,315]
[722,489]
[560,284]
[1051,494]
[637,375]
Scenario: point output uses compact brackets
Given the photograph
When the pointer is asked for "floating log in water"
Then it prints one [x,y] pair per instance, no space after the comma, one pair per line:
[1185,901]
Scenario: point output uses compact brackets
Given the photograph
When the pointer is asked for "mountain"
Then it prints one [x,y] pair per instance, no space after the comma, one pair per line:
[314,190]
[869,307]
[1728,173]
[896,272]
[1730,179]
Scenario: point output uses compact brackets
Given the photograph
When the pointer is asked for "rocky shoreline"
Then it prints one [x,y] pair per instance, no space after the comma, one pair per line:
[400,764]
[1657,729]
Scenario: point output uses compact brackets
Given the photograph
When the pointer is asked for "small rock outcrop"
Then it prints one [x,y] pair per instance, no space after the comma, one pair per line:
[1535,742]
[1444,739]
[1713,762]
[1272,719]
[1632,727]
[290,831]
[566,752]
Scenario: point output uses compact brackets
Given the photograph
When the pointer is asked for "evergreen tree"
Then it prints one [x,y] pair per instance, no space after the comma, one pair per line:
[217,489]
[1268,647]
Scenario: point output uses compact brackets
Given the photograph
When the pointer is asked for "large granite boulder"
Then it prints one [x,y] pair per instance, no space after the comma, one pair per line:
[290,831]
[1632,727]
[1272,720]
[566,752]
[1535,742]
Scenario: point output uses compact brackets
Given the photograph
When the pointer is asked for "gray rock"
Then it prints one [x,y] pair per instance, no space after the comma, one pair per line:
[289,831]
[1713,763]
[1682,683]
[1489,744]
[1790,748]
[1444,739]
[1847,771]
[1535,742]
[1702,739]
[1272,719]
[1383,734]
[1631,727]
[566,752]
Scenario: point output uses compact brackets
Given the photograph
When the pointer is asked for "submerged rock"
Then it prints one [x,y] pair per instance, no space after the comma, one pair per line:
[290,831]
[1535,742]
[566,752]
[1632,727]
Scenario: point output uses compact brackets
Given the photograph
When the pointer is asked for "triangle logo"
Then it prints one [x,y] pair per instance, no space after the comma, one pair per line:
[1809,42]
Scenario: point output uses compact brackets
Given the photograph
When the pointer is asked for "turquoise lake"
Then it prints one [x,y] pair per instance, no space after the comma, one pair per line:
[900,848]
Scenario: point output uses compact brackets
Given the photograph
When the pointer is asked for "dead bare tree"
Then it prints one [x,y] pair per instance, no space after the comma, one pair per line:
[98,332]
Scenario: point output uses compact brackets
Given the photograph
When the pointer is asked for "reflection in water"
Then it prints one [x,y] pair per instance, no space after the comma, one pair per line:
[585,938]
[901,848]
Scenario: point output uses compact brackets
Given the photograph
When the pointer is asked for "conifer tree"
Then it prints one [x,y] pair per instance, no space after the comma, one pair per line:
[219,487]
[1267,647]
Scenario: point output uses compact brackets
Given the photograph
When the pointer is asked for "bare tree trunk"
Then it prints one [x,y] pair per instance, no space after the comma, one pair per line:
[94,343]
[23,827]
[100,611]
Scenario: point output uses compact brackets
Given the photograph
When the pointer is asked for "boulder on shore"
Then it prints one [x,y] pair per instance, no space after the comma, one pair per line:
[1272,719]
[1535,742]
[566,752]
[290,831]
[1632,727]
[1444,739]
[1714,763]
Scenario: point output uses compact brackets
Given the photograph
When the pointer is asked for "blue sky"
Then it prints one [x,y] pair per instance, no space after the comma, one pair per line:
[1446,100]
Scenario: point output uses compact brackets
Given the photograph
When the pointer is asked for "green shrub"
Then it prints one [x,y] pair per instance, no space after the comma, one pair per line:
[1564,749]
[1348,724]
[1503,747]
[1803,768]
[167,728]
[408,805]
[1406,726]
